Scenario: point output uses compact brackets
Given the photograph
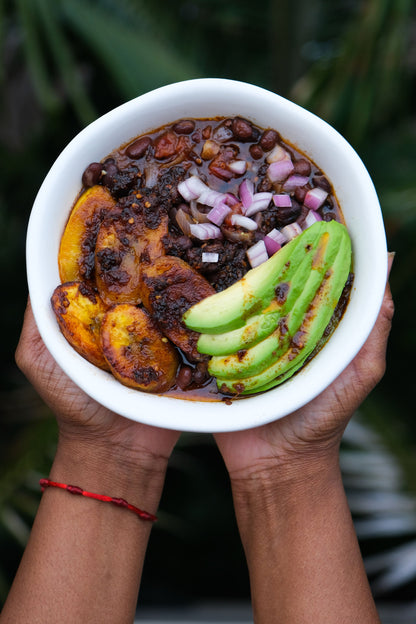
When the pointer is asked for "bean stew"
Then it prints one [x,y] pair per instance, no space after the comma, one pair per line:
[162,222]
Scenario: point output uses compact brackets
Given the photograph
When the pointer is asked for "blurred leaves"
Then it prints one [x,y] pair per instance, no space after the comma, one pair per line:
[352,62]
[365,83]
[72,46]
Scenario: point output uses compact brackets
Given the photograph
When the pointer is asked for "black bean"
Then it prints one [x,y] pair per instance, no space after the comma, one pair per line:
[242,129]
[184,377]
[269,139]
[111,171]
[185,126]
[322,182]
[302,167]
[255,151]
[92,174]
[284,216]
[138,148]
[300,193]
[200,374]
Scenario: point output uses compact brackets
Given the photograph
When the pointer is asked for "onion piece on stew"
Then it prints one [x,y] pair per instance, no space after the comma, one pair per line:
[242,221]
[205,231]
[209,197]
[218,213]
[208,256]
[260,201]
[271,245]
[314,198]
[311,218]
[278,153]
[278,171]
[292,230]
[192,187]
[294,181]
[257,254]
[282,200]
[246,192]
[277,236]
[238,166]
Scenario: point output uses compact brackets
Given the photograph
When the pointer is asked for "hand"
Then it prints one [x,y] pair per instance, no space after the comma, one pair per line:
[314,431]
[80,418]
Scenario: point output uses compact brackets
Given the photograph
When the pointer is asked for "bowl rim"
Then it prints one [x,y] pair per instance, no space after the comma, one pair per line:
[201,416]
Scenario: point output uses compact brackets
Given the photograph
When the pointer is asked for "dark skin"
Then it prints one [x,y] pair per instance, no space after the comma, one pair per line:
[84,559]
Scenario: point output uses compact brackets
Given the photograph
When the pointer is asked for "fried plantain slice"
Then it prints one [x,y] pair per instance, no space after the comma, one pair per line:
[170,286]
[79,312]
[129,237]
[76,251]
[138,354]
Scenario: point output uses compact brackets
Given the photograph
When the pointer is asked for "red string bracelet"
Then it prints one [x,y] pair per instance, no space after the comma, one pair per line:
[119,502]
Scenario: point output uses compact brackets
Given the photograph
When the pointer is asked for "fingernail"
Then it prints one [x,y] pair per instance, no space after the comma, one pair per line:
[390,257]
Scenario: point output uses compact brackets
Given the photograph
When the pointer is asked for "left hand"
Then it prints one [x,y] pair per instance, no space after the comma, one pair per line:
[81,419]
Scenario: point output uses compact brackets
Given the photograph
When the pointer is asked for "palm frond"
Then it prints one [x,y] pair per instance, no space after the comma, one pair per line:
[381,505]
[135,57]
[63,57]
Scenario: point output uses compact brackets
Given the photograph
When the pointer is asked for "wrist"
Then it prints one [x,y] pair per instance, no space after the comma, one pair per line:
[273,485]
[103,468]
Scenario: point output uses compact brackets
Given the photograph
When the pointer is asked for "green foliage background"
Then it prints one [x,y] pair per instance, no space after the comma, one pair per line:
[63,63]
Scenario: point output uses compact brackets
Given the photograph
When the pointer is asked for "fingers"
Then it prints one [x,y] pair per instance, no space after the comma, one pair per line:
[30,349]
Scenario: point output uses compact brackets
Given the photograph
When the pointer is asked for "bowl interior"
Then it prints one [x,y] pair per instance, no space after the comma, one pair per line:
[204,98]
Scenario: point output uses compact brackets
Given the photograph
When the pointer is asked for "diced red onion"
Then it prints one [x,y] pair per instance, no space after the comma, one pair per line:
[209,197]
[246,192]
[238,166]
[294,181]
[218,213]
[260,201]
[282,200]
[191,188]
[271,245]
[278,171]
[314,198]
[205,231]
[311,218]
[292,230]
[277,236]
[257,254]
[210,256]
[277,153]
[244,222]
[230,199]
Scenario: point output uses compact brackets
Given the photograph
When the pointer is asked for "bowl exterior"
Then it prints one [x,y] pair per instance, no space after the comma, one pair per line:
[204,98]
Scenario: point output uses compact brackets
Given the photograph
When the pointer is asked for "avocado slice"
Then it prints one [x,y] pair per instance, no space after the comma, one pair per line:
[304,286]
[230,309]
[291,283]
[318,314]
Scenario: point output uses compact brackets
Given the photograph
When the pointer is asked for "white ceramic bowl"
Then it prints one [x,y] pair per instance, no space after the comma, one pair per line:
[204,98]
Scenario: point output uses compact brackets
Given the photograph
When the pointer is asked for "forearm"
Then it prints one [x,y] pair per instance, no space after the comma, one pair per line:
[302,551]
[84,559]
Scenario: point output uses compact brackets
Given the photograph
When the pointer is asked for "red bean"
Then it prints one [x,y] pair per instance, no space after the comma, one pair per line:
[300,193]
[185,126]
[138,148]
[302,167]
[242,129]
[255,151]
[184,377]
[268,140]
[92,174]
